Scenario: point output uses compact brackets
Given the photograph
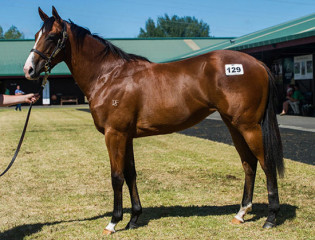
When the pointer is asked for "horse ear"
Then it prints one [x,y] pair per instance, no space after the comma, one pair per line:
[42,15]
[55,14]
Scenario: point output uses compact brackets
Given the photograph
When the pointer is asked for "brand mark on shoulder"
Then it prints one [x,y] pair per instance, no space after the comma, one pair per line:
[115,103]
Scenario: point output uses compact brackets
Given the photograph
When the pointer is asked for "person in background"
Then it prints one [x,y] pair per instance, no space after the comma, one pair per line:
[7,91]
[294,101]
[18,91]
[290,90]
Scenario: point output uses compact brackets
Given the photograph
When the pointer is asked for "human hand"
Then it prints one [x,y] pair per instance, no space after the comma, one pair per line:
[31,98]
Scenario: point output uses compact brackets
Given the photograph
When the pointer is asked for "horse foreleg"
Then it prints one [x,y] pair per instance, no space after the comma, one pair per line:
[116,145]
[130,177]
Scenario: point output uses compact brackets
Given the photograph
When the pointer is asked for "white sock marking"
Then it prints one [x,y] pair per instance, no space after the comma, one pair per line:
[111,227]
[241,213]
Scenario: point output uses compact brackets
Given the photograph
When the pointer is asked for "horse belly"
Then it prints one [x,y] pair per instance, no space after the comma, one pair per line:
[169,120]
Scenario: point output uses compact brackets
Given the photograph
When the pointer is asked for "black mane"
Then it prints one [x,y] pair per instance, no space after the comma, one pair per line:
[80,33]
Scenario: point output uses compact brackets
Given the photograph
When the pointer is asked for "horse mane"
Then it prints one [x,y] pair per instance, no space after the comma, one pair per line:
[80,33]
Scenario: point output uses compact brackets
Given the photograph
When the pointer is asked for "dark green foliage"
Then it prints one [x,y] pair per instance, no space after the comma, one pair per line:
[175,27]
[12,33]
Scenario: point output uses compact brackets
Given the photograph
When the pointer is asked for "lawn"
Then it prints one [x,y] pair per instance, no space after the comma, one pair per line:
[190,188]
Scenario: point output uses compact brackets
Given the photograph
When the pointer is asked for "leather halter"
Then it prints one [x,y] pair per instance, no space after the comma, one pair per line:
[60,45]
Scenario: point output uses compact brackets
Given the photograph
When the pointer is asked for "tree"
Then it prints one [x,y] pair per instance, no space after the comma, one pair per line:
[1,32]
[12,33]
[175,27]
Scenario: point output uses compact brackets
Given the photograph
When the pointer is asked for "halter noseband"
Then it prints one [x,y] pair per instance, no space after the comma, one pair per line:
[60,45]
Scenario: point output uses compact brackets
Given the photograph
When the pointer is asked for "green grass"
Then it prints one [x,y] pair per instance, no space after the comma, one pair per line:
[190,188]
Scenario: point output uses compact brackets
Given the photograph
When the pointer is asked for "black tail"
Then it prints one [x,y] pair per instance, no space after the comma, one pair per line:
[271,134]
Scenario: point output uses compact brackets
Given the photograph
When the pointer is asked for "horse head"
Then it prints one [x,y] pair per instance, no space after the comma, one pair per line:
[50,42]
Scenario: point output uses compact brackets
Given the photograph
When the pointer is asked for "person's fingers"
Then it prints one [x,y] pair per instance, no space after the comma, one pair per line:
[31,98]
[35,97]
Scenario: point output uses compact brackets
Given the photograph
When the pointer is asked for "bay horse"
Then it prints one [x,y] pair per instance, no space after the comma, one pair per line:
[131,97]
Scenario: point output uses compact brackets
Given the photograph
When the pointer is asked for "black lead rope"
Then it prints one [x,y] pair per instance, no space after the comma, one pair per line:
[20,142]
[23,133]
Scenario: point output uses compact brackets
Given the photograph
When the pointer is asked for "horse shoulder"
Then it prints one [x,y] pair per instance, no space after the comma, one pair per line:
[115,104]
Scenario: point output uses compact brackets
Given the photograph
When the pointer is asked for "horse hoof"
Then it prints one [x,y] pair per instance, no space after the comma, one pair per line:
[107,232]
[236,221]
[269,225]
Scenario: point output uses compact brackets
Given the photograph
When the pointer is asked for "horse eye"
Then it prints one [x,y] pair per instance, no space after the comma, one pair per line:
[51,37]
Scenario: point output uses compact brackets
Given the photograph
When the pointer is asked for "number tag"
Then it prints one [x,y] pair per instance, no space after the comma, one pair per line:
[234,69]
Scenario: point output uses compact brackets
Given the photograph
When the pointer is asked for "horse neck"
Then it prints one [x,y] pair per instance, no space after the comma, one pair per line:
[86,64]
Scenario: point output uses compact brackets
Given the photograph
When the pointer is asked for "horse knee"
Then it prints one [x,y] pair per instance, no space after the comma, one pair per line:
[117,180]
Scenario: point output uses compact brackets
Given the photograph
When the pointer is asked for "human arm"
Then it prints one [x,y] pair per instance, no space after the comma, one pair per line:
[291,99]
[7,100]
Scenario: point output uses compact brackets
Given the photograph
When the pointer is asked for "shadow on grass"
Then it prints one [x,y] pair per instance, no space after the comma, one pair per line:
[152,213]
[259,211]
[19,232]
[84,110]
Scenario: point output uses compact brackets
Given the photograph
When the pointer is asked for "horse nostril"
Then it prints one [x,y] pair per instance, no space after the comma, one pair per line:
[30,71]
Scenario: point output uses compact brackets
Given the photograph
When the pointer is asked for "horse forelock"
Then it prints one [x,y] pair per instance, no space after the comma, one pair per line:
[80,33]
[48,24]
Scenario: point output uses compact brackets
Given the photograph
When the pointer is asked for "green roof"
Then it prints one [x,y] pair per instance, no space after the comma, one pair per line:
[292,30]
[15,52]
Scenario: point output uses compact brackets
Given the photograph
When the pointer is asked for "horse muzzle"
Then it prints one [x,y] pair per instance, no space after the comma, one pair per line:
[30,73]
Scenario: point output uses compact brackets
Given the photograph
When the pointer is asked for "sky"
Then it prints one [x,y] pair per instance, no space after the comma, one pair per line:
[124,18]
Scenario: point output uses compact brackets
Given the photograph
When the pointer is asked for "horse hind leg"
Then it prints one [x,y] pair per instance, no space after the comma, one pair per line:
[249,163]
[254,138]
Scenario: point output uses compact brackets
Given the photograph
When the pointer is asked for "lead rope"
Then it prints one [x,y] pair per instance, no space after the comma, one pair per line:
[25,126]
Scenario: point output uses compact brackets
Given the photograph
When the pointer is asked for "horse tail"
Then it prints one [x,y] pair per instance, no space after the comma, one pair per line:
[271,135]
